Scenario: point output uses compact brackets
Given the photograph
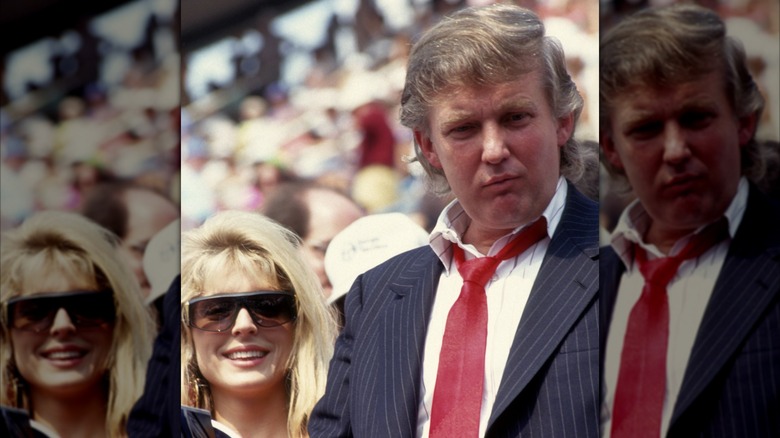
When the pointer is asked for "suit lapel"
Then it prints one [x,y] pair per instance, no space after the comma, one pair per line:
[748,282]
[563,289]
[611,270]
[405,323]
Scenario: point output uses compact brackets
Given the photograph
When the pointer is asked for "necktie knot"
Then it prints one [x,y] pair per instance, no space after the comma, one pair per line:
[660,271]
[479,270]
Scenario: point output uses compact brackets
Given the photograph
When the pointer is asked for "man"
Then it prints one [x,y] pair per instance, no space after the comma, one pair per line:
[492,110]
[135,213]
[696,353]
[316,213]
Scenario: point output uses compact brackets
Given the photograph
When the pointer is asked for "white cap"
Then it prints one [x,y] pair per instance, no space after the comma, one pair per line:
[162,259]
[366,243]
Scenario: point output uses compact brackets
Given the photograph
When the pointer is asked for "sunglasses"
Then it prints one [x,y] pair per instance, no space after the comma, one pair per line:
[218,313]
[86,310]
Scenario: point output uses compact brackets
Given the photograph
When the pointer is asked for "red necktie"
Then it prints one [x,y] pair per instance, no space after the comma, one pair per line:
[457,398]
[641,386]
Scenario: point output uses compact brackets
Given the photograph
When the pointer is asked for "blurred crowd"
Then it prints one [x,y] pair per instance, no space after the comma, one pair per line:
[112,115]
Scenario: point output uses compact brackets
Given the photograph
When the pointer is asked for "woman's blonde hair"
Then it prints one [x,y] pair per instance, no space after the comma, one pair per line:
[257,247]
[82,249]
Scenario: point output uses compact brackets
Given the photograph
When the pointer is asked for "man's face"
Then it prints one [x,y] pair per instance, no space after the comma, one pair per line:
[329,213]
[499,147]
[679,146]
[147,214]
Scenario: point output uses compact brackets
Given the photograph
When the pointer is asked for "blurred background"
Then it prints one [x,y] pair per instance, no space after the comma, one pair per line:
[90,94]
[278,91]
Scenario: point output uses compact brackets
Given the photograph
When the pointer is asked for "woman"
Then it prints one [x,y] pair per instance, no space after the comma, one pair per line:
[76,335]
[257,334]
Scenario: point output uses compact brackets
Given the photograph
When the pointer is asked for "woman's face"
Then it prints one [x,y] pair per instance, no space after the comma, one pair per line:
[67,357]
[247,358]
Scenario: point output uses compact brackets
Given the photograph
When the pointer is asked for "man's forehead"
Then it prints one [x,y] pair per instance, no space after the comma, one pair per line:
[525,88]
[702,91]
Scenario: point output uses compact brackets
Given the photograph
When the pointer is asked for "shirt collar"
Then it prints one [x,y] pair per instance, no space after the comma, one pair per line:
[634,222]
[453,222]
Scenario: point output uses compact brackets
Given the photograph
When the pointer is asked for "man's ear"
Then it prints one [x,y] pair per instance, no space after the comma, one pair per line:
[565,128]
[747,127]
[426,145]
[608,146]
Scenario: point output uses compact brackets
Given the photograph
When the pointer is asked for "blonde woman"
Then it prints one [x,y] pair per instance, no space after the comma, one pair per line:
[75,333]
[257,334]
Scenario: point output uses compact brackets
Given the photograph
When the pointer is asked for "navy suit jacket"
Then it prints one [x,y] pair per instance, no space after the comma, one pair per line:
[550,387]
[731,386]
[156,413]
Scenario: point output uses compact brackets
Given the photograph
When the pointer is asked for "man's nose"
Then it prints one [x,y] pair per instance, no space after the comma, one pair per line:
[494,147]
[675,144]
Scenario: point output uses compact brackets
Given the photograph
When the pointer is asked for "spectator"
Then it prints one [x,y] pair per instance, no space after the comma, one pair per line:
[257,333]
[75,334]
[316,214]
[425,351]
[135,214]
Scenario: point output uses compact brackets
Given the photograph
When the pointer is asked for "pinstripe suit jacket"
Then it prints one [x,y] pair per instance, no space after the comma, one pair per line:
[551,382]
[731,386]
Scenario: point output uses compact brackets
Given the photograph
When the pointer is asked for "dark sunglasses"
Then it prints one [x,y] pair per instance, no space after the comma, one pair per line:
[86,310]
[218,313]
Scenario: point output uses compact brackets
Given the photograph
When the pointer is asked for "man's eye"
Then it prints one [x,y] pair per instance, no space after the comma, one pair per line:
[645,131]
[517,117]
[139,248]
[696,120]
[462,129]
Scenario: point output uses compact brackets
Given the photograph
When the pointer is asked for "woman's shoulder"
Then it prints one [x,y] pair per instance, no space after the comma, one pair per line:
[17,423]
[197,423]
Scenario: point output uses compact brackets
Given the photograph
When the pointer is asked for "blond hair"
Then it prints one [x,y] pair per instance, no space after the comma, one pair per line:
[81,249]
[249,243]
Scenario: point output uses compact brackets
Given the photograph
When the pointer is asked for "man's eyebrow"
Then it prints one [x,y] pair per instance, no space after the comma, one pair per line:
[703,103]
[458,115]
[518,103]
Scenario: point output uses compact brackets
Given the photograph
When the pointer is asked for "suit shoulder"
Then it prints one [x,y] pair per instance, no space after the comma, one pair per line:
[404,261]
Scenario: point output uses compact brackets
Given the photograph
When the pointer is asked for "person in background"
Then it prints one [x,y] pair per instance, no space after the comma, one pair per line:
[315,213]
[492,328]
[690,282]
[256,331]
[76,335]
[135,213]
[364,244]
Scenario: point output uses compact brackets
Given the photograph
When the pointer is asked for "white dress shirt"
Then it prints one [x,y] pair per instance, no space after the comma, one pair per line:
[507,293]
[688,292]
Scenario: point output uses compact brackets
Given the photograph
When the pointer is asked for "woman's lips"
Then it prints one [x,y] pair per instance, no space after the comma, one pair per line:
[246,357]
[65,357]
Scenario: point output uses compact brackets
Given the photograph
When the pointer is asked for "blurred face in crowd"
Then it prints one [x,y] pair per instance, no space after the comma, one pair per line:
[65,358]
[147,214]
[329,213]
[499,148]
[679,147]
[247,358]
